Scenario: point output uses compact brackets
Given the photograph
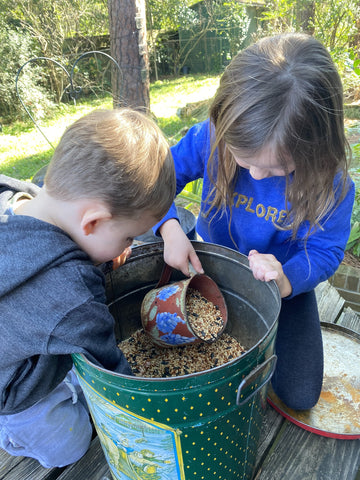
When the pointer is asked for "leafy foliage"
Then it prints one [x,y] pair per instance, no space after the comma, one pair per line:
[354,239]
[16,47]
[170,14]
[39,28]
[178,30]
[333,22]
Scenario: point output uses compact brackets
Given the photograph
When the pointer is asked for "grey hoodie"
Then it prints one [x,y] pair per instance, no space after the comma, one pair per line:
[52,304]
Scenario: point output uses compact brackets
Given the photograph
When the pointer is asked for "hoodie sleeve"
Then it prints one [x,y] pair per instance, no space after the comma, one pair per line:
[84,323]
[319,257]
[190,155]
[89,329]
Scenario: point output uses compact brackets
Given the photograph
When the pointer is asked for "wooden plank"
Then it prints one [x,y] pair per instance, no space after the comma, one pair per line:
[30,469]
[350,319]
[301,455]
[285,451]
[7,463]
[22,468]
[330,303]
[92,465]
[272,423]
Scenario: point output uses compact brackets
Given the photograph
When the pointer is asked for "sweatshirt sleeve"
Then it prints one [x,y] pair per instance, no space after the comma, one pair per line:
[82,321]
[319,257]
[89,329]
[190,155]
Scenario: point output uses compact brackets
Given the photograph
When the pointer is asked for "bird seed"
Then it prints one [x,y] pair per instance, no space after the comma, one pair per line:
[203,316]
[149,360]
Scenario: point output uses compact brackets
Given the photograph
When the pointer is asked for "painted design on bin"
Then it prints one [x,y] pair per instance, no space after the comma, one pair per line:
[223,448]
[217,439]
[167,292]
[135,448]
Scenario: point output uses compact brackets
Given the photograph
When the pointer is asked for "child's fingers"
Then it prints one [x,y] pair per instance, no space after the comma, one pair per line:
[264,267]
[273,275]
[195,262]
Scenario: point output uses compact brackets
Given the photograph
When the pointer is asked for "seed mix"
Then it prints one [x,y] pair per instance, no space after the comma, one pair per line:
[203,316]
[149,360]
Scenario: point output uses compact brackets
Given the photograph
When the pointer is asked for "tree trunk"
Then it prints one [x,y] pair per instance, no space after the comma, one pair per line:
[153,42]
[128,46]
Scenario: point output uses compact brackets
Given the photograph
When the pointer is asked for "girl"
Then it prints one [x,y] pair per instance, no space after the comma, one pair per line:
[273,160]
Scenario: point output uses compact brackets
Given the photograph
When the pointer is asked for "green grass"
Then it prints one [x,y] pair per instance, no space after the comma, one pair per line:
[24,150]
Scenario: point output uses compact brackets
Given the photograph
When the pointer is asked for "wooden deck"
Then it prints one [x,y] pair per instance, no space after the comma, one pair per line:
[286,452]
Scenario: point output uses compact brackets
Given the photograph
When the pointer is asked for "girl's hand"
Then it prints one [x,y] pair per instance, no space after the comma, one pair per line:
[266,267]
[178,250]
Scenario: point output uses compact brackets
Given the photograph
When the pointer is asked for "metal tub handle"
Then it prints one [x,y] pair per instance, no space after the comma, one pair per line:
[251,378]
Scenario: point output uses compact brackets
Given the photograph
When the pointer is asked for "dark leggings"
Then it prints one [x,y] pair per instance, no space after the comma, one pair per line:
[298,376]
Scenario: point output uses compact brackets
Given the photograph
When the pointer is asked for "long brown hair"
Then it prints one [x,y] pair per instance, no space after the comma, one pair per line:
[283,92]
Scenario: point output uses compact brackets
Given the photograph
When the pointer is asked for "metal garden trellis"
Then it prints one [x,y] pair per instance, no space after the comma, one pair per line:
[71,89]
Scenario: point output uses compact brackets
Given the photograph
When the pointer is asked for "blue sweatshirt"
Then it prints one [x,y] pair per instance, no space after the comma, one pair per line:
[257,207]
[52,304]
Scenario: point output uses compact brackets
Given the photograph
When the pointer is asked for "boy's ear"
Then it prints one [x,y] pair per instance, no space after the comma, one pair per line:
[91,217]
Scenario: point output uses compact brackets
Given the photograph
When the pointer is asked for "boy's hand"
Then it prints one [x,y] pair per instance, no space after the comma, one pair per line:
[266,267]
[178,250]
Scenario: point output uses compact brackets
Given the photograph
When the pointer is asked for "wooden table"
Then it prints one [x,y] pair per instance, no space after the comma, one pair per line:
[286,452]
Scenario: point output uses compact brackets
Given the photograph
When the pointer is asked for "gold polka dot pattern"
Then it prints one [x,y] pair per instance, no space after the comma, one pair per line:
[217,438]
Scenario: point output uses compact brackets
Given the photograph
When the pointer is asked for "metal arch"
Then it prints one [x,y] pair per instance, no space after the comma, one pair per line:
[35,59]
[78,90]
[90,53]
[69,89]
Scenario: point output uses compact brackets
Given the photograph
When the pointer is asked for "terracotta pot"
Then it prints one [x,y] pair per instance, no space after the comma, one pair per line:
[164,315]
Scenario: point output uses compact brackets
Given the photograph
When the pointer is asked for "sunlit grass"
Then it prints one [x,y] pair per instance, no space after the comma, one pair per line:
[24,149]
[167,96]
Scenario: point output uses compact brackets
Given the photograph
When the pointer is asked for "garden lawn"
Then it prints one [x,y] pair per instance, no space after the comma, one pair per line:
[24,150]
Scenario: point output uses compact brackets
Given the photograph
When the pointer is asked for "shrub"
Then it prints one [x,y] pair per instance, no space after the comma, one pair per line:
[354,240]
[16,48]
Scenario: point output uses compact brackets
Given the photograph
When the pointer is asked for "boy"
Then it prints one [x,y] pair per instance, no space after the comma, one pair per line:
[111,179]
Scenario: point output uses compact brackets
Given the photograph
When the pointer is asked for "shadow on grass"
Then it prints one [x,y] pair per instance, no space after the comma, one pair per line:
[175,127]
[24,168]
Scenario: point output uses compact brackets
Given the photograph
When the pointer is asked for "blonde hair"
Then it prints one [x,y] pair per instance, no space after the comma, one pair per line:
[118,156]
[283,92]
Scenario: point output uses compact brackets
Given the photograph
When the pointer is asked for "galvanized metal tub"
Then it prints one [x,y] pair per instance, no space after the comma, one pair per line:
[198,426]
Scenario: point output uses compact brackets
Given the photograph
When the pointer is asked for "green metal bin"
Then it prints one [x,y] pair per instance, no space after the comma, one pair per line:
[200,426]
